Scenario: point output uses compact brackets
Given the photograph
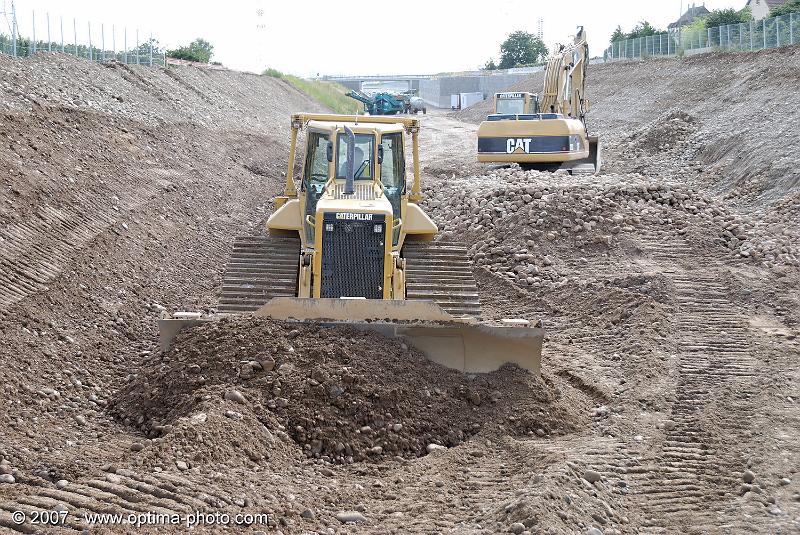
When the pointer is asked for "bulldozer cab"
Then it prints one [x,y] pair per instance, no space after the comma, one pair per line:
[378,167]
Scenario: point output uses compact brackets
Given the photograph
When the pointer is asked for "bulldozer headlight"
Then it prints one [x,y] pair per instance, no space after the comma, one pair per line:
[575,143]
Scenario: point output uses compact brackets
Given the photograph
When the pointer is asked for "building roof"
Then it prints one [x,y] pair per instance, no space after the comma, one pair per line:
[692,13]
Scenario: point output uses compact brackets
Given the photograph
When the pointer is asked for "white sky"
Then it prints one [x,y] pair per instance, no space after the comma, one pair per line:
[307,37]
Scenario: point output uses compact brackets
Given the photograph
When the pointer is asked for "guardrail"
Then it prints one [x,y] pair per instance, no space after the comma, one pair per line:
[21,36]
[746,36]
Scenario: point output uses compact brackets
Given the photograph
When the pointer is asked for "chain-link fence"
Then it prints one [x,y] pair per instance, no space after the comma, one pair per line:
[25,34]
[753,35]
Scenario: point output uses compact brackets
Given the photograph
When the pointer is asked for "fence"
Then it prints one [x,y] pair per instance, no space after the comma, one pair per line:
[20,37]
[753,35]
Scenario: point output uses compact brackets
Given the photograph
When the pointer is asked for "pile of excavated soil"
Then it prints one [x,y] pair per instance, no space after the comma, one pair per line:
[336,394]
[557,218]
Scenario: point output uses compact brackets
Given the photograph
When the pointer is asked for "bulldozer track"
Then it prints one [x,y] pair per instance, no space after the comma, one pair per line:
[259,269]
[262,267]
[442,272]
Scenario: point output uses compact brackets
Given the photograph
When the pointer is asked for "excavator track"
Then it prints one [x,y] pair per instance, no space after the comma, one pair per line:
[259,269]
[442,272]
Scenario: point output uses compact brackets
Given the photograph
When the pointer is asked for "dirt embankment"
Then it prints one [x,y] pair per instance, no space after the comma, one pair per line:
[668,396]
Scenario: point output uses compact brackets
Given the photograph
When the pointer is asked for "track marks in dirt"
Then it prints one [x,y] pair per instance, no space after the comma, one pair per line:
[37,249]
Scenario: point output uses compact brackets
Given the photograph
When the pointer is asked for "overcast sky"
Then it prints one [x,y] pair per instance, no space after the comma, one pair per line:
[365,37]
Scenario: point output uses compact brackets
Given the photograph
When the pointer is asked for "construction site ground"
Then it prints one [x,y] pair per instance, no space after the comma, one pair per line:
[667,284]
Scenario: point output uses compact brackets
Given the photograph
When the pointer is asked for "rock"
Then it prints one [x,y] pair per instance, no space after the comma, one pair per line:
[784,481]
[377,450]
[234,395]
[593,531]
[233,415]
[308,514]
[475,398]
[247,371]
[267,364]
[350,517]
[181,465]
[592,476]
[397,428]
[80,420]
[434,447]
[137,446]
[748,476]
[517,528]
[62,484]
[7,478]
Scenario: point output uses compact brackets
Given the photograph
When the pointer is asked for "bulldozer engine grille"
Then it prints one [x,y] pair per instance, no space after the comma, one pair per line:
[353,246]
[529,145]
[363,192]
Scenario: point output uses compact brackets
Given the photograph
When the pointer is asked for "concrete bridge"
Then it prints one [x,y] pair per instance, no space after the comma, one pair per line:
[435,89]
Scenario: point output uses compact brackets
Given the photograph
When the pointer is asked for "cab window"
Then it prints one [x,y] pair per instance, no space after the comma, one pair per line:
[362,163]
[316,167]
[511,105]
[393,164]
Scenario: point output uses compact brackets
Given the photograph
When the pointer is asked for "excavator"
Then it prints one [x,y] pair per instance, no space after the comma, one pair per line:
[348,244]
[550,132]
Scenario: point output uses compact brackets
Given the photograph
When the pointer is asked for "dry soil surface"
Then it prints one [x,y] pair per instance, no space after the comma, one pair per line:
[667,285]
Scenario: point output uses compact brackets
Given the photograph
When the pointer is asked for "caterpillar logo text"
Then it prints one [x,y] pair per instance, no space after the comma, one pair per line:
[354,215]
[515,143]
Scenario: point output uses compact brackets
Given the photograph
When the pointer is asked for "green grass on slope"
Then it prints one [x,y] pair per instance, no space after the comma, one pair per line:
[329,94]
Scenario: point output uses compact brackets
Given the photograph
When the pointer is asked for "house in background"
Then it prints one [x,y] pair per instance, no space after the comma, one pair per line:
[691,14]
[761,8]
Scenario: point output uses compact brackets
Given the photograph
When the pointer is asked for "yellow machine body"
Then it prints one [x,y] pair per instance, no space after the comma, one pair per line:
[348,244]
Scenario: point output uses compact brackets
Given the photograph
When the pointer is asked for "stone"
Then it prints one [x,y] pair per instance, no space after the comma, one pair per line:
[62,484]
[748,476]
[434,447]
[308,514]
[267,364]
[7,478]
[137,446]
[784,481]
[517,528]
[593,531]
[181,465]
[234,395]
[592,476]
[350,517]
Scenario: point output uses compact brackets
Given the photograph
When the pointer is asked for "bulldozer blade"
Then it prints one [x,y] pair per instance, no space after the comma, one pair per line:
[459,343]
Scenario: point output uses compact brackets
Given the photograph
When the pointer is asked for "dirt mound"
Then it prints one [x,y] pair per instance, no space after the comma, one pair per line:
[338,394]
[668,132]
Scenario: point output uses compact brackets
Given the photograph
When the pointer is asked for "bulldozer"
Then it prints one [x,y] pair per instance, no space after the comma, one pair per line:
[550,132]
[349,244]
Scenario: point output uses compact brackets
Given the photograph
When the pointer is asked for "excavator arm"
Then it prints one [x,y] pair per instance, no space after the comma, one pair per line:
[565,79]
